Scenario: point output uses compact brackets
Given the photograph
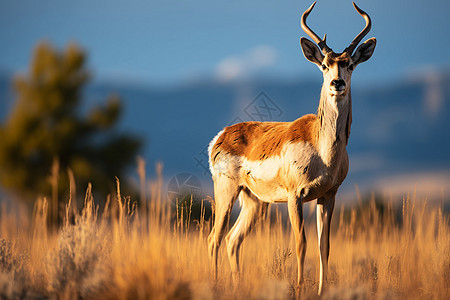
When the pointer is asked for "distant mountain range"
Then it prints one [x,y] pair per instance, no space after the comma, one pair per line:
[399,128]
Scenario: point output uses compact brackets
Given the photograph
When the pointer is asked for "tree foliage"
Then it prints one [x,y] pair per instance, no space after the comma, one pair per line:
[47,127]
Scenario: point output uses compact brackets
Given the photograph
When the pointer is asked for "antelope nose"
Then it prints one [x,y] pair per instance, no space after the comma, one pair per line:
[338,84]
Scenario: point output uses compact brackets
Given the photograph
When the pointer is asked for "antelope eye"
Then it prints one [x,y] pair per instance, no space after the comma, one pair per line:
[324,67]
[351,67]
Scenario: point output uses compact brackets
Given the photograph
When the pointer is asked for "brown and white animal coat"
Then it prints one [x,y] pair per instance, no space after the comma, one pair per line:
[293,162]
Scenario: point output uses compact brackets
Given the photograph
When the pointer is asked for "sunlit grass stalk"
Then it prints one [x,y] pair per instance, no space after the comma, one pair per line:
[156,251]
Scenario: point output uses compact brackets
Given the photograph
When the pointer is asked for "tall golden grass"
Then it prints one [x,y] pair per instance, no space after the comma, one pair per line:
[152,252]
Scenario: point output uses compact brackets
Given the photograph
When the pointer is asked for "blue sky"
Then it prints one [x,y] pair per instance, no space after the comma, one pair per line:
[167,41]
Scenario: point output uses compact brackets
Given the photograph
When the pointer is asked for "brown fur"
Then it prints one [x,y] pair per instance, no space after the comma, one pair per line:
[261,140]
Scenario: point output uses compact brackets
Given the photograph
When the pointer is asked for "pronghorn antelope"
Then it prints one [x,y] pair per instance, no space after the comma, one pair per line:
[293,162]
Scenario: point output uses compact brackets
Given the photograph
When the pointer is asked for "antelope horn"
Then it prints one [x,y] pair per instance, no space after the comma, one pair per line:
[321,43]
[363,33]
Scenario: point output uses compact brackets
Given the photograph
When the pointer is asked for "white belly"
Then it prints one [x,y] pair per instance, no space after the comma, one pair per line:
[274,178]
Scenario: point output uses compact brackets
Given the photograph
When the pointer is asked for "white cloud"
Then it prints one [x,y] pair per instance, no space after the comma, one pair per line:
[262,56]
[246,64]
[229,68]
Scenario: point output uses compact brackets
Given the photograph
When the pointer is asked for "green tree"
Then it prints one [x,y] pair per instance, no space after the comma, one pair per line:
[47,130]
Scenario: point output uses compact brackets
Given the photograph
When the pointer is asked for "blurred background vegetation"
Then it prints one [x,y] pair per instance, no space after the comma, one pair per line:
[48,139]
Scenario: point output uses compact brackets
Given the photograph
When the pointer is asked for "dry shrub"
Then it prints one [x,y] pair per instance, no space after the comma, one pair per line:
[79,265]
[13,282]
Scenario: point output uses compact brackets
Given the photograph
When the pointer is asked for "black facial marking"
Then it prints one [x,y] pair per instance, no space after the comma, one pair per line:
[343,63]
[329,62]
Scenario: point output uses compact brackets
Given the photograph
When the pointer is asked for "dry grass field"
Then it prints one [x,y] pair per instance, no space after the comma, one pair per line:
[395,251]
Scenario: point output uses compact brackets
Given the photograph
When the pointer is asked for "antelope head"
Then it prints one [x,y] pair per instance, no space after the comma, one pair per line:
[337,68]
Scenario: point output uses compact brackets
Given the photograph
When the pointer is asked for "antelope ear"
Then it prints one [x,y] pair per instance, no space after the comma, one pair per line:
[364,51]
[311,51]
